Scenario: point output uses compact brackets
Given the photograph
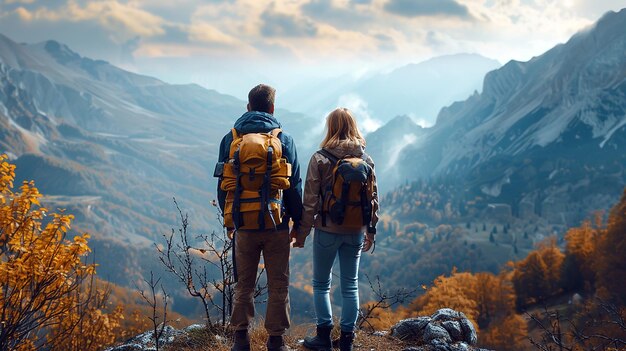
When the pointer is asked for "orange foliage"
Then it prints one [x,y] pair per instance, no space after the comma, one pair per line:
[610,263]
[506,334]
[538,276]
[456,291]
[581,247]
[43,277]
[486,299]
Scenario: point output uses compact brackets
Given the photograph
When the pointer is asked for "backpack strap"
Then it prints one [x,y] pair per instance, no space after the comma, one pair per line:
[328,155]
[233,131]
[264,192]
[275,132]
[333,159]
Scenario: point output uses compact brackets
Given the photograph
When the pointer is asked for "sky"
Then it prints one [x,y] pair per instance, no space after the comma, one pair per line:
[228,44]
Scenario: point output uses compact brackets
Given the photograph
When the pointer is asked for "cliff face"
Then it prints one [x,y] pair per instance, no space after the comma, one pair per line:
[552,128]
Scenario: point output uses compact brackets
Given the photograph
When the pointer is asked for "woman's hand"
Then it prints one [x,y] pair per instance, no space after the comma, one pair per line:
[297,240]
[368,242]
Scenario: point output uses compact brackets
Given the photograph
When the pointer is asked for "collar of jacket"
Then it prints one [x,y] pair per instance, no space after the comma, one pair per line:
[256,122]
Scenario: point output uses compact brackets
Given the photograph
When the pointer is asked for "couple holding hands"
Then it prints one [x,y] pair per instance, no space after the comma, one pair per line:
[260,194]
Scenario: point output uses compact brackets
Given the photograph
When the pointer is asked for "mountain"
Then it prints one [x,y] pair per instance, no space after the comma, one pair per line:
[385,146]
[418,90]
[550,132]
[114,147]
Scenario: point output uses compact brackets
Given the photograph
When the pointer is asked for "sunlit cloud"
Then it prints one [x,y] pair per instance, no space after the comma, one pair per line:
[315,34]
[205,32]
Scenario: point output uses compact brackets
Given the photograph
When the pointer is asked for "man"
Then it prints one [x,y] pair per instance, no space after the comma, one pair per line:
[273,243]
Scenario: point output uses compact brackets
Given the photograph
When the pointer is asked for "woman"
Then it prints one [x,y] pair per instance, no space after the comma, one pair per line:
[346,240]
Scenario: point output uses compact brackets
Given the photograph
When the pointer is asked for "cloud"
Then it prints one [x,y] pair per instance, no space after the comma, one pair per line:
[125,20]
[276,24]
[359,108]
[8,2]
[208,33]
[385,42]
[113,14]
[319,35]
[24,14]
[346,16]
[417,8]
[128,49]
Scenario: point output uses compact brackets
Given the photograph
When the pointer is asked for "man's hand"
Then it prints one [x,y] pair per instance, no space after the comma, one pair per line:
[295,241]
[369,241]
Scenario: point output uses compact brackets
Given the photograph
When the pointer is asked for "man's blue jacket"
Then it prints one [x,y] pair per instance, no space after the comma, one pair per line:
[261,122]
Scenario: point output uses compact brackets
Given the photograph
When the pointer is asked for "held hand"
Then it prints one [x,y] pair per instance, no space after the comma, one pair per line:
[368,242]
[294,239]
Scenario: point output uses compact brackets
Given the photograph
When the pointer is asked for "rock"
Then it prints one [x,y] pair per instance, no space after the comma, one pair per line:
[381,333]
[440,345]
[434,332]
[410,329]
[460,346]
[469,332]
[145,341]
[447,314]
[445,330]
[454,329]
[127,347]
[194,327]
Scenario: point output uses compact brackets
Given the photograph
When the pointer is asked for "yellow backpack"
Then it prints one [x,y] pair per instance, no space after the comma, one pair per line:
[348,199]
[253,178]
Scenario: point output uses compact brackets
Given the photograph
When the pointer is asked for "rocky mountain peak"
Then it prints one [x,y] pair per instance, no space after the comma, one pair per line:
[61,52]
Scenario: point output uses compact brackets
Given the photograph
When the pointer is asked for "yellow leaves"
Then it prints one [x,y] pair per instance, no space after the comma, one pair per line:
[40,269]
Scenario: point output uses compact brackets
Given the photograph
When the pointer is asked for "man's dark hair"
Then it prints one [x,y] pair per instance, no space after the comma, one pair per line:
[261,98]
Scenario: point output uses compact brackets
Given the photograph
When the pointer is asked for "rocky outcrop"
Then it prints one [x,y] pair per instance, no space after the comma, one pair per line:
[147,342]
[445,330]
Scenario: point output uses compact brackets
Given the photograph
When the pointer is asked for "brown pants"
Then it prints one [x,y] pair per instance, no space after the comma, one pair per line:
[275,247]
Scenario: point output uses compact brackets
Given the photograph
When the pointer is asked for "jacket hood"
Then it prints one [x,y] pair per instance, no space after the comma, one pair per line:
[255,122]
[347,147]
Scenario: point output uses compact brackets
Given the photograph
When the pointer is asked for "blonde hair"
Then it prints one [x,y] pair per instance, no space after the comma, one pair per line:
[341,126]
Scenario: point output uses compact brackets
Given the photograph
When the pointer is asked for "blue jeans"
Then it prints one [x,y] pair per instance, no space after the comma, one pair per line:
[326,247]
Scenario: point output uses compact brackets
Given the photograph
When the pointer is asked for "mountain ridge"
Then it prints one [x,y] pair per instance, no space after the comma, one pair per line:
[568,102]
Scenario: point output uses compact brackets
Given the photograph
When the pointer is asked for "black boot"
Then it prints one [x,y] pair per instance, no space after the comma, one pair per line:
[321,341]
[276,343]
[242,341]
[346,340]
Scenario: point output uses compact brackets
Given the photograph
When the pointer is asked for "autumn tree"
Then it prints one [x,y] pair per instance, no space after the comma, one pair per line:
[538,276]
[611,264]
[45,298]
[486,299]
[449,292]
[581,246]
[507,334]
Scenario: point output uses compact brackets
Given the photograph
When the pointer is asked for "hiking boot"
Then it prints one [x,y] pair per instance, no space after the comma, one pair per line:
[276,343]
[242,341]
[346,340]
[321,341]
